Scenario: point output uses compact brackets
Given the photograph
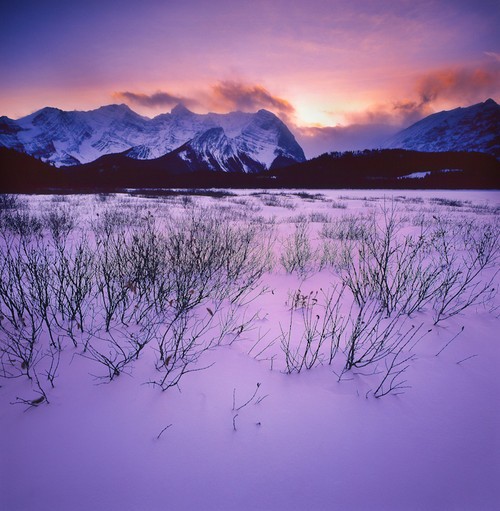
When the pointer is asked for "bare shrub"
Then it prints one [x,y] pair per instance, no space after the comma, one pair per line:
[29,344]
[210,264]
[297,255]
[338,204]
[321,327]
[347,227]
[10,202]
[60,222]
[464,251]
[391,267]
[186,283]
[73,288]
[277,201]
[21,222]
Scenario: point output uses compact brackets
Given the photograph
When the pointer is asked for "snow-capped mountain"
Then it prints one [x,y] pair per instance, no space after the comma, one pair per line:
[263,143]
[235,141]
[475,128]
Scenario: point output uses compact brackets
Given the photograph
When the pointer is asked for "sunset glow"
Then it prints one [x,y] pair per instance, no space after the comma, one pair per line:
[314,63]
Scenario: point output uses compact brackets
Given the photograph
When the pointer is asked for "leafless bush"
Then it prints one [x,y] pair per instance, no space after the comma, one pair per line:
[394,367]
[310,196]
[183,285]
[347,227]
[60,222]
[29,344]
[464,251]
[248,205]
[448,202]
[298,255]
[374,337]
[391,267]
[338,204]
[320,329]
[21,222]
[317,217]
[324,329]
[277,200]
[329,253]
[73,289]
[211,264]
[9,202]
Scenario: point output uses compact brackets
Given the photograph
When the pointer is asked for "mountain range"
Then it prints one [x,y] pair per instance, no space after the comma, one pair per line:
[474,128]
[114,147]
[236,141]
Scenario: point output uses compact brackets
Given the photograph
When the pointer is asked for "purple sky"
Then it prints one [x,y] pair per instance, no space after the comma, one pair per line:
[315,63]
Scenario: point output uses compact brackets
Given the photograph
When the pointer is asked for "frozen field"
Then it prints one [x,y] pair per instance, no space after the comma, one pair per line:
[250,350]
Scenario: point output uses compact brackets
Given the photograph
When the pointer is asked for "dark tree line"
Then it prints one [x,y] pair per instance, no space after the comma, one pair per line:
[363,169]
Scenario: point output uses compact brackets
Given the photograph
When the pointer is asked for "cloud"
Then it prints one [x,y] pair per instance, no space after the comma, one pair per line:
[398,113]
[232,95]
[494,55]
[460,84]
[224,96]
[155,100]
[431,91]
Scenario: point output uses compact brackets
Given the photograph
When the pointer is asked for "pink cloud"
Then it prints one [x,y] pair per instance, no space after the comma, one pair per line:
[461,83]
[155,100]
[232,95]
[224,96]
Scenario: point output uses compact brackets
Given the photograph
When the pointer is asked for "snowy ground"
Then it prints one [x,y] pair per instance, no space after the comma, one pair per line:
[242,433]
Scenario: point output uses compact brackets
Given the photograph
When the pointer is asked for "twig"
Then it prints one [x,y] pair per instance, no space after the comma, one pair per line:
[162,431]
[467,358]
[449,342]
[260,399]
[247,402]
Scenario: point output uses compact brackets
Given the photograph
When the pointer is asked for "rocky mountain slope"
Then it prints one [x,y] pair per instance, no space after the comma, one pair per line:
[475,128]
[236,141]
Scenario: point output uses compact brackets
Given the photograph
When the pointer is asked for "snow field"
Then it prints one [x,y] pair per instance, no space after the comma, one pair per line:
[251,427]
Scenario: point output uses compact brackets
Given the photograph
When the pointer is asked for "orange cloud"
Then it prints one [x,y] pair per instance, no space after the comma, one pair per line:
[231,95]
[401,113]
[155,100]
[224,96]
[462,84]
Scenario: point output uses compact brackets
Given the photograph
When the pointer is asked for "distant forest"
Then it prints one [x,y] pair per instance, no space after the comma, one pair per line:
[385,168]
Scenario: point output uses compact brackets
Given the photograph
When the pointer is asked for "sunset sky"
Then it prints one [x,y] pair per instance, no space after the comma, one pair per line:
[345,64]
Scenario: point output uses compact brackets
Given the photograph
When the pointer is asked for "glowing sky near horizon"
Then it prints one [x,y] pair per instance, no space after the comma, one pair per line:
[313,62]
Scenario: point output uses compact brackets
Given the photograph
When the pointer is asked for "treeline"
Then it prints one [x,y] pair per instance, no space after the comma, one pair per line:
[387,168]
[363,169]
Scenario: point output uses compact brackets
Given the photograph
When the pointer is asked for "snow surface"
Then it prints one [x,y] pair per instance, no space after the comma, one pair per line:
[420,175]
[416,175]
[313,443]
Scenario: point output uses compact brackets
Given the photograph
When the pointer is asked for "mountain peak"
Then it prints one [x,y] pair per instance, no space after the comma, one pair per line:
[472,128]
[235,141]
[46,110]
[266,114]
[122,107]
[180,109]
[118,111]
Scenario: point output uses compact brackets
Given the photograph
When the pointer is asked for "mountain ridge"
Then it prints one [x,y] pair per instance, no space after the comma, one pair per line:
[64,138]
[472,128]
